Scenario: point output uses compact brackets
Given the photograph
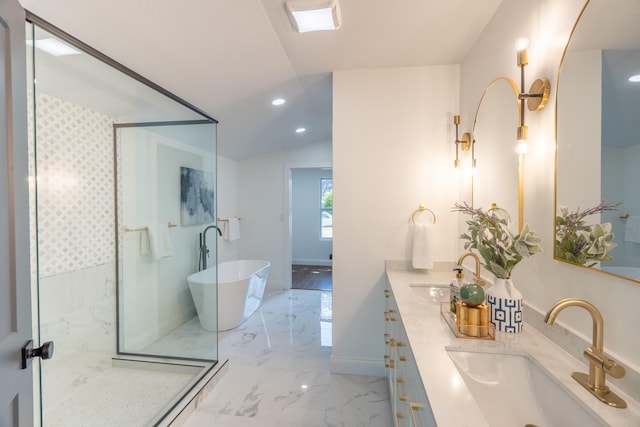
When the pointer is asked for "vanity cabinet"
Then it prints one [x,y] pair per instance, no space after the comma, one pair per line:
[408,398]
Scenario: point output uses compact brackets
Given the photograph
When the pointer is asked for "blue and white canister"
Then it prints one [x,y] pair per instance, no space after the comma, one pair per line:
[505,305]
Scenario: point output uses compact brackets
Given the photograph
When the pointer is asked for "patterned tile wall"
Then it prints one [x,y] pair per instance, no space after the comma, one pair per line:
[76,212]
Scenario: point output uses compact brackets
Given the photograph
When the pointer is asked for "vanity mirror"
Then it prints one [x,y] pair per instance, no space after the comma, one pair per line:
[494,136]
[597,131]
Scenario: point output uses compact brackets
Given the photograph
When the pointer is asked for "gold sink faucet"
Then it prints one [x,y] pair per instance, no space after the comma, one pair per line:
[599,364]
[479,279]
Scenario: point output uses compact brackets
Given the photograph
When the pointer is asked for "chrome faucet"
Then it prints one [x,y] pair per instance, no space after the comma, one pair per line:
[204,251]
[479,279]
[599,364]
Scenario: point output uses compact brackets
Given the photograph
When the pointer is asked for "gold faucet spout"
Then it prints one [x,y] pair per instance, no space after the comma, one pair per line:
[598,323]
[475,257]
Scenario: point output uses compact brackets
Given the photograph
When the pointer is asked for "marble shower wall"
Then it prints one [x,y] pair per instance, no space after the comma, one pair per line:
[75,223]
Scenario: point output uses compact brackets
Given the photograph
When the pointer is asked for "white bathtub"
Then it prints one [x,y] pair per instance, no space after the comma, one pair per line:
[241,285]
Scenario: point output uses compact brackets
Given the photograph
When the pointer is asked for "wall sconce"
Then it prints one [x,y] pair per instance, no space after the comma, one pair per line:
[536,99]
[464,143]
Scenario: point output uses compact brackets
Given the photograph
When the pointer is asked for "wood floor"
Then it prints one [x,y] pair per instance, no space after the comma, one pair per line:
[311,277]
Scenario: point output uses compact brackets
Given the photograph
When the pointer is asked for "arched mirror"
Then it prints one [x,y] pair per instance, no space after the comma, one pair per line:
[494,149]
[598,141]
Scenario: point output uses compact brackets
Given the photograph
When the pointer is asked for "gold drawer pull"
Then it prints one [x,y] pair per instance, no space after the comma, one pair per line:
[399,415]
[401,397]
[413,406]
[400,356]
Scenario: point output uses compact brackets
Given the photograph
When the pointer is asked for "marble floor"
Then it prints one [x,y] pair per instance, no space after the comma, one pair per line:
[279,372]
[90,389]
[118,397]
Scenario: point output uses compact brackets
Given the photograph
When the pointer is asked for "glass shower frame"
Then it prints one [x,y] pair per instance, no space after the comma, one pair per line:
[136,259]
[122,356]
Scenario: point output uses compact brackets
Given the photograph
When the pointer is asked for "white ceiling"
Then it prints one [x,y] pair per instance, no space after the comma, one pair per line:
[230,58]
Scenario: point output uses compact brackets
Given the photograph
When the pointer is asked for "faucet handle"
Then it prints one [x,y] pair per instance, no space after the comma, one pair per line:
[609,366]
[613,369]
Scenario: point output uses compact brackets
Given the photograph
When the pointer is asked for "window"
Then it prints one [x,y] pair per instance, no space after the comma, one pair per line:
[326,208]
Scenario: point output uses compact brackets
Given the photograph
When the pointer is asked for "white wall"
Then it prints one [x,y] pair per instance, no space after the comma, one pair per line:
[542,280]
[227,199]
[393,150]
[308,248]
[263,204]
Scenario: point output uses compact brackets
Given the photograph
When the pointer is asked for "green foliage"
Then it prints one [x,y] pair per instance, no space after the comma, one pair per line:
[580,243]
[500,249]
[327,199]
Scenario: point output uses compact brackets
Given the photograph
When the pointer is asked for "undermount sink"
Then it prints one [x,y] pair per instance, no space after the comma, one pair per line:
[515,390]
[430,293]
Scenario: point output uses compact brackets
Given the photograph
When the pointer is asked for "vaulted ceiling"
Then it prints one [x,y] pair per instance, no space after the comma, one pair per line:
[230,58]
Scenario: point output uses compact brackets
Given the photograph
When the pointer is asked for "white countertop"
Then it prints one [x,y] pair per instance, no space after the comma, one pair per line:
[451,401]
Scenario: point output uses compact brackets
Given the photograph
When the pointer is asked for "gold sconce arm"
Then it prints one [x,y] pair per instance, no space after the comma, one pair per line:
[464,143]
[536,98]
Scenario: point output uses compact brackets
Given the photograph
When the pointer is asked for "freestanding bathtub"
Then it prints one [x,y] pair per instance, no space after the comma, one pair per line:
[241,285]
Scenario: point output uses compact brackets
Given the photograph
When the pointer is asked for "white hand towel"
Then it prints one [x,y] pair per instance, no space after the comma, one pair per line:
[145,246]
[232,229]
[632,229]
[421,247]
[160,241]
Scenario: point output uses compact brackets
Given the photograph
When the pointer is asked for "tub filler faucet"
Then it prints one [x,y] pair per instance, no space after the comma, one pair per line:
[599,364]
[204,251]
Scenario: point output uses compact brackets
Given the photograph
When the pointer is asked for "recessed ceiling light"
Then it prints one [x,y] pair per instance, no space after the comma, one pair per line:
[278,101]
[54,47]
[635,79]
[313,15]
[301,130]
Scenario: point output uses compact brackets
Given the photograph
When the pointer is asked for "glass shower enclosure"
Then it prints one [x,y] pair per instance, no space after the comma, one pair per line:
[112,239]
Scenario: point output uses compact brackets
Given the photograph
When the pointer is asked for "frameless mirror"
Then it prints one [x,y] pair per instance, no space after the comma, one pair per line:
[598,148]
[495,178]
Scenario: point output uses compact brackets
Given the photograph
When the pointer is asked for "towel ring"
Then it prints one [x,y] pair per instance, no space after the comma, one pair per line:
[422,208]
[494,207]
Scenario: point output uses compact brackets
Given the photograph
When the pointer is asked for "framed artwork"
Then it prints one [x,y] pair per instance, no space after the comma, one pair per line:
[196,197]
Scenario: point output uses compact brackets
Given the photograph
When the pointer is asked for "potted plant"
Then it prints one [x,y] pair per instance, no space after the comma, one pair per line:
[490,235]
[501,250]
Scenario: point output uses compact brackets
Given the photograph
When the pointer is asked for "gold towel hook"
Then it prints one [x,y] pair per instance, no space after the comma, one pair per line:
[422,208]
[494,207]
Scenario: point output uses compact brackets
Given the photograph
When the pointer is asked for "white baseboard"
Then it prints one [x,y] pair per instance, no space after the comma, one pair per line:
[368,367]
[307,261]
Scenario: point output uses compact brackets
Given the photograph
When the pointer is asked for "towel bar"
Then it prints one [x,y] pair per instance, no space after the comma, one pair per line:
[422,208]
[494,207]
[127,229]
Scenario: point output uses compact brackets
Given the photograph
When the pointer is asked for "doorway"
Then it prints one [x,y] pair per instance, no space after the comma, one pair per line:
[311,228]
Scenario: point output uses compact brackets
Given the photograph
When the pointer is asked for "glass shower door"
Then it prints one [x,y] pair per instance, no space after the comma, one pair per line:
[80,103]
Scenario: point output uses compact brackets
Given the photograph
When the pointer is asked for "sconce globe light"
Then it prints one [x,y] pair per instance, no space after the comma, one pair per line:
[313,15]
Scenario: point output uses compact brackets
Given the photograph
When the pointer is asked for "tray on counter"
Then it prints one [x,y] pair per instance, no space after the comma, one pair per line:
[451,321]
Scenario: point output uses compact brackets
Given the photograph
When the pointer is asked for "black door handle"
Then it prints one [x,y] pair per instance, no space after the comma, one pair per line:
[28,352]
